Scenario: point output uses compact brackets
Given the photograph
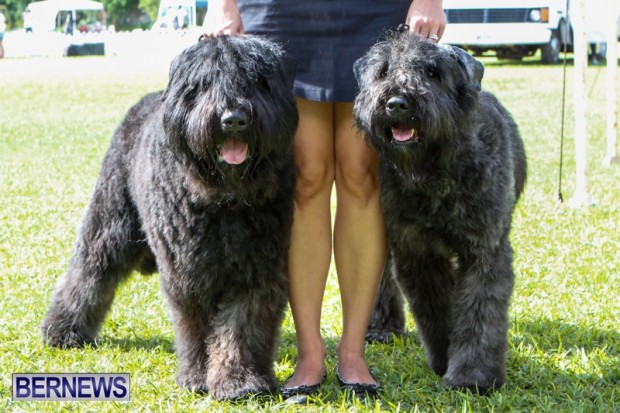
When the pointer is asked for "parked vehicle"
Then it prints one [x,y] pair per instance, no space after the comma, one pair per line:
[511,28]
[175,15]
[77,20]
[67,16]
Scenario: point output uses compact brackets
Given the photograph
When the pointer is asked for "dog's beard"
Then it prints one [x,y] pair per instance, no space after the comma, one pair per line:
[234,162]
[397,134]
[229,159]
[404,134]
[409,144]
[227,151]
[233,151]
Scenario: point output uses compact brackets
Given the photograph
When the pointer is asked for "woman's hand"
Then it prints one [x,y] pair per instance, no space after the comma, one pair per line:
[427,19]
[222,17]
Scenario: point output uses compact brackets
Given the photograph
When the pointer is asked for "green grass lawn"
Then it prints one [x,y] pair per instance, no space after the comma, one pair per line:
[56,119]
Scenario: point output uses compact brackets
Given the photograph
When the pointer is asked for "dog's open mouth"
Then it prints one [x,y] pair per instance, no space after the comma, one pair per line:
[234,151]
[404,135]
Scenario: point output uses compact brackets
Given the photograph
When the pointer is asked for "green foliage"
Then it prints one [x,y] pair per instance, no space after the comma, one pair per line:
[56,120]
[124,14]
[121,13]
[150,7]
[12,10]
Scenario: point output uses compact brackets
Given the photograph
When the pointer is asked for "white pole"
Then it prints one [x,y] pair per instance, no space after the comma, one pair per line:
[612,70]
[580,197]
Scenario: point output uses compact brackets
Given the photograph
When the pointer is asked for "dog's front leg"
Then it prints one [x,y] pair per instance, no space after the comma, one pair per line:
[191,330]
[244,341]
[427,279]
[479,338]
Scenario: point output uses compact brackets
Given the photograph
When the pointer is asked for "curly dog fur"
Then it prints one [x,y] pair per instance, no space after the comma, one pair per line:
[197,184]
[452,169]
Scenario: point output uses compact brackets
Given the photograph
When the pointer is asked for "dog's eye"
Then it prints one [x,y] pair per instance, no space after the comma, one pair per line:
[191,92]
[383,72]
[262,83]
[432,73]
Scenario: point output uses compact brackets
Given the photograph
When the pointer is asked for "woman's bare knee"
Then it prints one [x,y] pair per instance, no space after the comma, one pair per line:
[313,182]
[358,183]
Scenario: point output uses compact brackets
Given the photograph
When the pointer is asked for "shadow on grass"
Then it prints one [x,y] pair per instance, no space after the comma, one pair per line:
[548,362]
[138,343]
[551,336]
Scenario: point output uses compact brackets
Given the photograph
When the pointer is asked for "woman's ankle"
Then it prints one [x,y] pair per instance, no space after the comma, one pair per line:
[352,368]
[307,373]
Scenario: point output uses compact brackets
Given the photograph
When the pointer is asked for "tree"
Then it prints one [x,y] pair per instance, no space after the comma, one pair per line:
[12,10]
[151,7]
[124,14]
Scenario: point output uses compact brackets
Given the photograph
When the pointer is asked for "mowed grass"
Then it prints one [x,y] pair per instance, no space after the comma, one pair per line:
[56,119]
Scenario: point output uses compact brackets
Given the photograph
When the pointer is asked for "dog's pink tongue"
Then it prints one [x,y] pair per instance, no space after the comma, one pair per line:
[234,151]
[402,135]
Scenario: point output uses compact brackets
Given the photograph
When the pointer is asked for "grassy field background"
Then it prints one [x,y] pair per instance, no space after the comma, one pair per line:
[56,119]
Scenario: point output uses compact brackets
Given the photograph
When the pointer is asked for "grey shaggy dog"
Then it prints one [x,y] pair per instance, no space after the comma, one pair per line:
[198,184]
[452,169]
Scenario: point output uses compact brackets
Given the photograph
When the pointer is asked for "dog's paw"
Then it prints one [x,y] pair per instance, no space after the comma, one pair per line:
[438,363]
[377,335]
[235,388]
[383,329]
[473,381]
[64,339]
[196,383]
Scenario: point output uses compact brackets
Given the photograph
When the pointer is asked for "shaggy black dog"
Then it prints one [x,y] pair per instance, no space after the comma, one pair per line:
[452,168]
[198,184]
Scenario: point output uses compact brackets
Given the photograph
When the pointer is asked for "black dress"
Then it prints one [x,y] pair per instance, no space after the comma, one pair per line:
[325,37]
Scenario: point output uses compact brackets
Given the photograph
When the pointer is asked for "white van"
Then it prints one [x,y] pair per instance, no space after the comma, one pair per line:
[72,25]
[511,28]
[516,28]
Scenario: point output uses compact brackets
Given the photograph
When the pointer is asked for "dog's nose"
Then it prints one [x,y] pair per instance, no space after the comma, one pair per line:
[397,105]
[234,121]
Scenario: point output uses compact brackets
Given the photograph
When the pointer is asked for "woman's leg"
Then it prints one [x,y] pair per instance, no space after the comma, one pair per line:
[311,242]
[359,241]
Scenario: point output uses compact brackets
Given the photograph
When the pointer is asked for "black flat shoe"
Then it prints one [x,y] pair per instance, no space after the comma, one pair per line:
[299,394]
[360,390]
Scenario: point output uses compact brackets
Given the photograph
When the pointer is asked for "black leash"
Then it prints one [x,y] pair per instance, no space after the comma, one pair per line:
[566,31]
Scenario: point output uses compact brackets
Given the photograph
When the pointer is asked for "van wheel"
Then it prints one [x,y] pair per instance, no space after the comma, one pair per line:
[551,51]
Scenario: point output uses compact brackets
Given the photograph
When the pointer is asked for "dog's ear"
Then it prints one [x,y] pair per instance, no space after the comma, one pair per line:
[172,73]
[372,66]
[471,65]
[358,69]
[179,65]
[288,69]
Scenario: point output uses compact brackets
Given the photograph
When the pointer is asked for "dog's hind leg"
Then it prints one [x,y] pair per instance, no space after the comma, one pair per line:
[479,339]
[428,282]
[388,315]
[109,246]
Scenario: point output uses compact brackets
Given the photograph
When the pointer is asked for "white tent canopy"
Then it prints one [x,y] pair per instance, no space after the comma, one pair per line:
[56,5]
[41,15]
